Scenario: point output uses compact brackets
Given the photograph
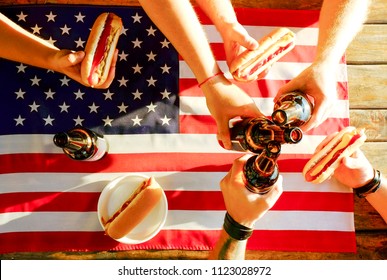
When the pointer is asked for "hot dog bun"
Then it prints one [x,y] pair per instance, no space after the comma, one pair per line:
[100,48]
[252,65]
[134,209]
[323,163]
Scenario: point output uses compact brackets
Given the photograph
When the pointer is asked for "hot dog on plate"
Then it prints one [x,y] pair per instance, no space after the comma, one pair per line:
[100,48]
[138,205]
[254,64]
[323,163]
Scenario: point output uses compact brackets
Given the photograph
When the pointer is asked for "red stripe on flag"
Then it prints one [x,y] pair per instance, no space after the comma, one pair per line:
[272,17]
[284,240]
[119,163]
[177,200]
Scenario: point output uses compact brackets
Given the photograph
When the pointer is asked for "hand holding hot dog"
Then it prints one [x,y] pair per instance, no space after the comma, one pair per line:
[17,44]
[254,64]
[236,40]
[69,63]
[100,51]
[330,152]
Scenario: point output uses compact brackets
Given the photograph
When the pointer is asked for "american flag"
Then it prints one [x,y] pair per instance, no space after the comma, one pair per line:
[156,122]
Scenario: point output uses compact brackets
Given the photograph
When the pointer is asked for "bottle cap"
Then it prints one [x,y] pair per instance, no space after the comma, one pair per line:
[61,139]
[293,134]
[273,147]
[279,117]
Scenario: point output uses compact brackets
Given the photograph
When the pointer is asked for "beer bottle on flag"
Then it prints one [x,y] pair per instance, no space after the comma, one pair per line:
[261,171]
[252,134]
[81,143]
[292,109]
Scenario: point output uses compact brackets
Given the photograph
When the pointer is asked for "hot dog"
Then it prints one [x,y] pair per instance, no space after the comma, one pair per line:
[100,48]
[323,163]
[254,64]
[134,209]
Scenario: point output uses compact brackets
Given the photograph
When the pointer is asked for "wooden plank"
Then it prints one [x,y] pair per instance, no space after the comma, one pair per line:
[367,86]
[366,218]
[374,121]
[378,12]
[369,46]
[279,4]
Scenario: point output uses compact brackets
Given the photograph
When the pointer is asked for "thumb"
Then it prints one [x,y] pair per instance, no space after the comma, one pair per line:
[75,57]
[249,42]
[224,135]
[352,162]
[288,87]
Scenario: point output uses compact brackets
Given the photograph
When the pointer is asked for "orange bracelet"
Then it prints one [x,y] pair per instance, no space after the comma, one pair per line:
[210,78]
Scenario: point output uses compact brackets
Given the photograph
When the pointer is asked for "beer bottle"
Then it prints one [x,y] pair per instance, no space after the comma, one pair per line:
[80,143]
[252,134]
[261,171]
[292,109]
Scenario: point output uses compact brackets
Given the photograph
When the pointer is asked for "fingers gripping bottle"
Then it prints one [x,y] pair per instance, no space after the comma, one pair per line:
[252,134]
[80,143]
[292,109]
[261,171]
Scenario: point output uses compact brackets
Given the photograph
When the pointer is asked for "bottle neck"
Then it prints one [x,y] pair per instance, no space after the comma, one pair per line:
[72,141]
[292,108]
[262,134]
[293,135]
[287,113]
[266,161]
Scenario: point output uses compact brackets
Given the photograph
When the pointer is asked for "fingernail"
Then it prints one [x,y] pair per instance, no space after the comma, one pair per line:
[221,143]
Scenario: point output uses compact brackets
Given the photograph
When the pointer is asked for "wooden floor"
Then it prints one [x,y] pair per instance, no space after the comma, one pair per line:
[367,75]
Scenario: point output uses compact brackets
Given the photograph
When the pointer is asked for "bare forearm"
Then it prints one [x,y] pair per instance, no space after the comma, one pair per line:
[178,21]
[228,248]
[340,21]
[378,200]
[219,11]
[19,45]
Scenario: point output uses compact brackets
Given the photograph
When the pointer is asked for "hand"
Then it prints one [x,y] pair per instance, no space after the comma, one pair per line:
[244,206]
[319,82]
[226,101]
[236,40]
[354,171]
[69,63]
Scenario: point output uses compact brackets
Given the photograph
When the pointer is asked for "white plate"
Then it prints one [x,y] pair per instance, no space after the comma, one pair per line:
[116,193]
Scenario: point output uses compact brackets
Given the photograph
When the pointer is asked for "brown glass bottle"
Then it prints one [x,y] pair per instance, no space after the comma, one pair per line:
[253,134]
[261,171]
[292,109]
[80,143]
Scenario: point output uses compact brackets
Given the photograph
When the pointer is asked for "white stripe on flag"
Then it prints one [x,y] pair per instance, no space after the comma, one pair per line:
[304,36]
[279,71]
[190,105]
[146,143]
[176,219]
[170,181]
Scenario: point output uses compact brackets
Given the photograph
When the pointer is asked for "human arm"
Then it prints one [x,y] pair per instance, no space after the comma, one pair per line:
[17,44]
[340,21]
[235,37]
[179,23]
[245,207]
[356,171]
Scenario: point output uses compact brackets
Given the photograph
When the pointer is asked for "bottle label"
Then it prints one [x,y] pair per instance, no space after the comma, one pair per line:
[100,149]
